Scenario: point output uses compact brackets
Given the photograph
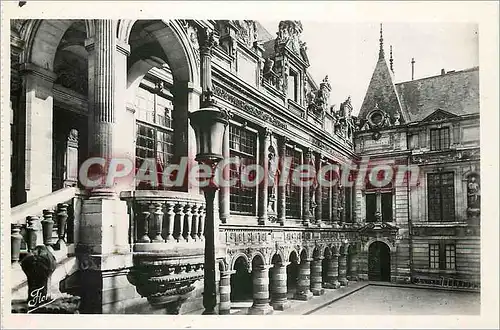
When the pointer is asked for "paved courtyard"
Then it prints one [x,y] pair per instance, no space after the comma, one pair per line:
[374,299]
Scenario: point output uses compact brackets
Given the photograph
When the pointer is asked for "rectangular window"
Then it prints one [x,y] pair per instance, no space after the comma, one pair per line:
[441,196]
[293,192]
[386,200]
[450,256]
[154,133]
[242,146]
[325,201]
[440,138]
[293,86]
[371,207]
[434,256]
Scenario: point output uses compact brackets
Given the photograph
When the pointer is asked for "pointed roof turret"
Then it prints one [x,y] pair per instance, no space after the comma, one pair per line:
[381,91]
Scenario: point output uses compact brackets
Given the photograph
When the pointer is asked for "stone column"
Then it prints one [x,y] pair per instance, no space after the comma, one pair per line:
[306,207]
[260,279]
[343,268]
[281,181]
[279,287]
[332,272]
[265,141]
[316,277]
[225,292]
[224,192]
[335,215]
[353,271]
[38,118]
[303,281]
[319,193]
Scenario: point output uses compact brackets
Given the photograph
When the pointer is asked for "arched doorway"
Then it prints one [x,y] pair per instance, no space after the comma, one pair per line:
[241,281]
[379,262]
[292,272]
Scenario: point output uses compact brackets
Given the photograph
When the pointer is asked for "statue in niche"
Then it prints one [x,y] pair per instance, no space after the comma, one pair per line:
[272,170]
[473,193]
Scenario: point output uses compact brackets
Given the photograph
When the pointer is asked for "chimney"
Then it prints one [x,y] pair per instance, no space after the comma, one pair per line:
[443,72]
[412,68]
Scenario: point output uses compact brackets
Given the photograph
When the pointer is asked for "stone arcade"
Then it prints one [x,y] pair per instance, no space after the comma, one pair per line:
[82,88]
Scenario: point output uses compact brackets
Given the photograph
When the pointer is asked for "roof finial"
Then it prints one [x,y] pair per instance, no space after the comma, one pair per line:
[381,50]
[391,61]
[412,68]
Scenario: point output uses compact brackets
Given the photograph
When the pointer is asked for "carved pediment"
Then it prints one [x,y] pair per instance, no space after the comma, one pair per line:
[382,227]
[439,115]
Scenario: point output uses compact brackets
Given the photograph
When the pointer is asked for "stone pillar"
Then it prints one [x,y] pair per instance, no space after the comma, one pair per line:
[265,142]
[303,281]
[281,181]
[306,206]
[332,272]
[319,193]
[260,279]
[224,192]
[38,118]
[343,268]
[316,277]
[335,215]
[353,271]
[279,287]
[225,292]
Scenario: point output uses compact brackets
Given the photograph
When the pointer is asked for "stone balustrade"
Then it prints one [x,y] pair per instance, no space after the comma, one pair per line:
[167,238]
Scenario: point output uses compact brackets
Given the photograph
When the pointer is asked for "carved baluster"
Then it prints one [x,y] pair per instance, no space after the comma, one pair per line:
[15,242]
[47,227]
[32,232]
[179,220]
[169,221]
[201,222]
[157,217]
[194,222]
[187,222]
[143,226]
[62,217]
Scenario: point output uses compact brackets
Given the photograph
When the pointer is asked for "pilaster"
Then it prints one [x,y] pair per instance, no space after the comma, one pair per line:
[281,185]
[265,142]
[38,99]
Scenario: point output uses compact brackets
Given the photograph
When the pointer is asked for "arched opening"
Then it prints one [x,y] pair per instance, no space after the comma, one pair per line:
[71,68]
[379,262]
[158,73]
[292,272]
[327,255]
[241,281]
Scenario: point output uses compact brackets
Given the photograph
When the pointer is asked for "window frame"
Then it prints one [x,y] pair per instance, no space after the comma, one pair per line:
[437,192]
[445,261]
[232,152]
[440,139]
[289,183]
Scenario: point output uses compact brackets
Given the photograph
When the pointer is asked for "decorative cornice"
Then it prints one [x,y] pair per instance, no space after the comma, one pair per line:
[37,71]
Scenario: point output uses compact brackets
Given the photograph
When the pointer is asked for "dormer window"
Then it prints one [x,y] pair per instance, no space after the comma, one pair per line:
[293,86]
[440,138]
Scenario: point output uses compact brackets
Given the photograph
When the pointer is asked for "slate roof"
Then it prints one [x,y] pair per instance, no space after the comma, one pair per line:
[456,92]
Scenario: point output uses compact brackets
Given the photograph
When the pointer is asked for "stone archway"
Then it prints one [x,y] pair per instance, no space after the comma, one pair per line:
[241,281]
[379,262]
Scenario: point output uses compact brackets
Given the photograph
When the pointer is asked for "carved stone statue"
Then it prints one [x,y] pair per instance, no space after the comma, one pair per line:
[272,169]
[473,194]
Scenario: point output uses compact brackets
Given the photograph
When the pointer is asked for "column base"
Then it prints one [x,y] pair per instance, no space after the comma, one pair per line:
[260,310]
[281,305]
[224,311]
[353,278]
[303,296]
[334,285]
[318,292]
[344,282]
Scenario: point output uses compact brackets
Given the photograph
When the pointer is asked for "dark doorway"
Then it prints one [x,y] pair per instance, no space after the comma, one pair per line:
[379,262]
[241,281]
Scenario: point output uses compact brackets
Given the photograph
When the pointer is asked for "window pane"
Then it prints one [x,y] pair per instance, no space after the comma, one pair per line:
[387,206]
[371,207]
[450,256]
[434,197]
[292,192]
[434,256]
[348,204]
[242,144]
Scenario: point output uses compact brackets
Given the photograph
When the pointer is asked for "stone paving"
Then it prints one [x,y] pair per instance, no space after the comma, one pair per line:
[378,298]
[404,300]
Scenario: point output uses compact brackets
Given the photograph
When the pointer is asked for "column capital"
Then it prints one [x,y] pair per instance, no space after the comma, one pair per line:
[37,71]
[121,46]
[206,39]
